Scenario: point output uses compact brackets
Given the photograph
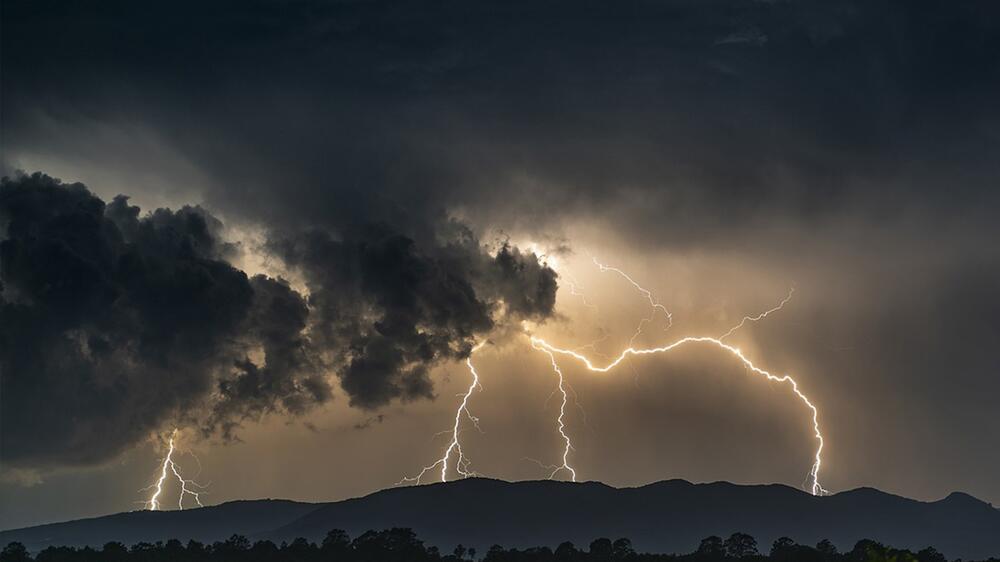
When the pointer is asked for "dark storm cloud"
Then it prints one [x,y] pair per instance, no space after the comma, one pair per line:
[400,308]
[693,120]
[114,323]
[291,379]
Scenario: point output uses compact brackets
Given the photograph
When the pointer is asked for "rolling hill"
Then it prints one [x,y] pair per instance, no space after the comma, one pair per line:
[668,516]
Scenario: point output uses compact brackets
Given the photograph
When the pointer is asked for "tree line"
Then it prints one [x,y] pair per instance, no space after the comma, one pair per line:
[403,545]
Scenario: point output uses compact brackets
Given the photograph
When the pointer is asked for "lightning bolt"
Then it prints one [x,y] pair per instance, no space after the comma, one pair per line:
[153,503]
[813,476]
[747,363]
[760,316]
[462,462]
[575,291]
[653,302]
[568,445]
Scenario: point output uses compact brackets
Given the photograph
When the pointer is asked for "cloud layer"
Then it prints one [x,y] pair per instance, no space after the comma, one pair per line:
[115,323]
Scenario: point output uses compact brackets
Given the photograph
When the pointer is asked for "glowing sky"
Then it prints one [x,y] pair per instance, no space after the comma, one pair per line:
[376,159]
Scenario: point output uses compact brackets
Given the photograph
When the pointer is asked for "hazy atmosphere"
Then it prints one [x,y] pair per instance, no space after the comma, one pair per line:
[283,231]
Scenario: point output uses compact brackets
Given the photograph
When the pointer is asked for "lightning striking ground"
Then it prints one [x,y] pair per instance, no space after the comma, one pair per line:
[813,477]
[462,462]
[153,503]
[815,486]
[561,420]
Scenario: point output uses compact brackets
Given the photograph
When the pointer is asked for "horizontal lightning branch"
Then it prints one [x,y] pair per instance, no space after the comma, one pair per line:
[815,486]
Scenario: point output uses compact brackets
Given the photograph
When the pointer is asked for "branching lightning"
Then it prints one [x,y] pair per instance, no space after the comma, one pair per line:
[815,486]
[462,462]
[538,343]
[188,487]
[760,316]
[561,419]
[574,290]
[653,302]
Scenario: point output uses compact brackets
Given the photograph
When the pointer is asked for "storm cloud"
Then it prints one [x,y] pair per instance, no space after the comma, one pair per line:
[695,121]
[115,322]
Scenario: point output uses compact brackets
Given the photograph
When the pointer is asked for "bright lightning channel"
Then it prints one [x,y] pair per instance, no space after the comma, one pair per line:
[816,488]
[760,316]
[462,462]
[568,445]
[187,486]
[542,345]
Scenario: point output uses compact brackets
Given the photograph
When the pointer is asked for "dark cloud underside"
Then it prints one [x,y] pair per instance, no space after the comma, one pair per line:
[694,119]
[115,323]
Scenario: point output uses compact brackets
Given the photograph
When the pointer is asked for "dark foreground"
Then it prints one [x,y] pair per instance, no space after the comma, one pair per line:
[402,545]
[666,517]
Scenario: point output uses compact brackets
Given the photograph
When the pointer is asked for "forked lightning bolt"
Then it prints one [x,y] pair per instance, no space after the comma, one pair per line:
[462,462]
[153,503]
[568,445]
[454,446]
[653,303]
[815,486]
[538,343]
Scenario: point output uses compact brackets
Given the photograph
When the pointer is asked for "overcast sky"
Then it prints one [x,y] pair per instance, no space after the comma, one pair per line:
[328,204]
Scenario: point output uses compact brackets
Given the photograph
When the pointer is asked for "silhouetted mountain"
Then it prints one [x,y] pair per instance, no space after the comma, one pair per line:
[669,516]
[204,524]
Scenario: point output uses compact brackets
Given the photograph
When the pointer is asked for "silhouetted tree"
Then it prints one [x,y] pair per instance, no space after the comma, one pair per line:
[741,545]
[300,550]
[14,552]
[566,552]
[234,544]
[826,549]
[60,554]
[402,545]
[782,545]
[336,545]
[783,549]
[173,550]
[391,545]
[865,550]
[263,551]
[712,548]
[601,549]
[622,549]
[114,552]
[496,553]
[931,554]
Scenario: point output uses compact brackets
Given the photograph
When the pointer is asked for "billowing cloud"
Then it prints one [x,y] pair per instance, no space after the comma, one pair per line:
[115,323]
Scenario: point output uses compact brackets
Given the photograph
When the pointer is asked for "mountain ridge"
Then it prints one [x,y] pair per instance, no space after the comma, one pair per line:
[665,516]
